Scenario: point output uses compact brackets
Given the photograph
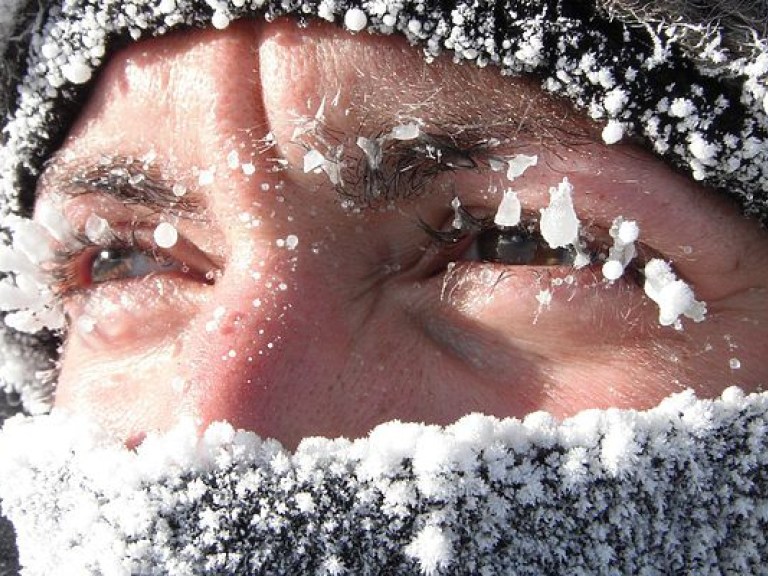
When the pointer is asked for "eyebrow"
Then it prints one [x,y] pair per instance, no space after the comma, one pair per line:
[128,180]
[407,169]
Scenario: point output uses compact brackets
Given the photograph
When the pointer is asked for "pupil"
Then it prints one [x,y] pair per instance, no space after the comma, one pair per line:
[507,246]
[110,264]
[517,246]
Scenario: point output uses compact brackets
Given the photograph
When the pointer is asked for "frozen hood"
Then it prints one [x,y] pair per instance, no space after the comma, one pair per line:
[676,489]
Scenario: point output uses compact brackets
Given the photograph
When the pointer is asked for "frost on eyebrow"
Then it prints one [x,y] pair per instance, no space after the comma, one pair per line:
[141,181]
[487,495]
[399,160]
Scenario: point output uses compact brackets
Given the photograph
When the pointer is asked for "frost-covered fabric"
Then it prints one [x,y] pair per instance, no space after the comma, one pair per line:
[679,489]
[690,79]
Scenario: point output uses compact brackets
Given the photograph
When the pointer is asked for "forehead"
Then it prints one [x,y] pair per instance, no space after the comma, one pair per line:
[254,75]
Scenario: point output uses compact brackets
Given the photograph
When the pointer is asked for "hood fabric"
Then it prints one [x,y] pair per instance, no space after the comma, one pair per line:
[679,489]
[688,80]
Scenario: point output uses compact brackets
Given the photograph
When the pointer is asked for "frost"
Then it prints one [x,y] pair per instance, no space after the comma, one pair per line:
[355,20]
[508,213]
[97,229]
[559,224]
[614,101]
[432,549]
[409,498]
[701,149]
[179,190]
[734,363]
[408,131]
[681,107]
[613,132]
[77,72]
[248,169]
[674,297]
[165,235]
[518,164]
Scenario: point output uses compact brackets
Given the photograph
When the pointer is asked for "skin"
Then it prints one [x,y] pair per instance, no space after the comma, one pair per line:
[362,322]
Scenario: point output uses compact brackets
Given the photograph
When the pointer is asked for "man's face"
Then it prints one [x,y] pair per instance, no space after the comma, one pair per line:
[298,293]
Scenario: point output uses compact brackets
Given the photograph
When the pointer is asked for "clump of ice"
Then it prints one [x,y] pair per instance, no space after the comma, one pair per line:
[25,290]
[624,234]
[220,20]
[313,161]
[458,220]
[674,297]
[409,131]
[97,229]
[165,235]
[508,213]
[518,164]
[372,150]
[559,224]
[291,241]
[613,132]
[355,19]
[206,177]
[77,71]
[49,212]
[233,160]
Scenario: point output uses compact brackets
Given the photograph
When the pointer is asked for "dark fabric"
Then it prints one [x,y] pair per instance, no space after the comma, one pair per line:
[9,557]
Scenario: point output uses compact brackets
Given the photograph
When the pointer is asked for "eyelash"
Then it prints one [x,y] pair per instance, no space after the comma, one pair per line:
[66,267]
[70,265]
[452,243]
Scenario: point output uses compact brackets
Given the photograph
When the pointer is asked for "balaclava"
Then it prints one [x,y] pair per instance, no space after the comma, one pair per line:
[677,489]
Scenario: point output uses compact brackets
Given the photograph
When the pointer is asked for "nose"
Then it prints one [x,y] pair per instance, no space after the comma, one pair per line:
[275,349]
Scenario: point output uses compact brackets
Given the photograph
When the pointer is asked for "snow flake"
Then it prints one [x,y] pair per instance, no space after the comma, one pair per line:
[432,548]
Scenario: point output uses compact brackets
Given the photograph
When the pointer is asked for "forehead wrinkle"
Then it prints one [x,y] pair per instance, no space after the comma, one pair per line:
[457,97]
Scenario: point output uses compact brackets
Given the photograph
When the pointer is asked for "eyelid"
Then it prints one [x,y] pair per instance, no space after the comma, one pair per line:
[448,244]
[67,267]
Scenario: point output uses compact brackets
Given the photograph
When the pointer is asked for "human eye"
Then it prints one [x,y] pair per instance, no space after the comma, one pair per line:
[135,281]
[128,258]
[121,256]
[480,239]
